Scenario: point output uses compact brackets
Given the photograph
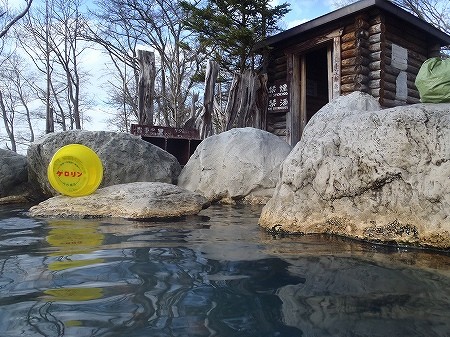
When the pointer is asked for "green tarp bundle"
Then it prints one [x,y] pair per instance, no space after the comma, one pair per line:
[433,81]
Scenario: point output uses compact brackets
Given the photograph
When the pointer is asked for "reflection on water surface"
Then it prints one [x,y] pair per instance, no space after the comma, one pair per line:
[217,274]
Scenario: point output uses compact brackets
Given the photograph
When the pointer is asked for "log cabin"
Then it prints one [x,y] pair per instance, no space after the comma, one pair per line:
[371,46]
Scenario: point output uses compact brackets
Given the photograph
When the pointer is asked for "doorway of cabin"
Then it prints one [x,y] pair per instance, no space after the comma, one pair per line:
[312,86]
[315,79]
[314,68]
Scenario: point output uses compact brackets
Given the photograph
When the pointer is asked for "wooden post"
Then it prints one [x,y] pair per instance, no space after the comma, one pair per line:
[261,103]
[212,70]
[336,67]
[297,97]
[146,89]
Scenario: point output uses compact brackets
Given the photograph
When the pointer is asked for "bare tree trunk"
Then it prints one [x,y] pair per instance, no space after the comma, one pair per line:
[146,88]
[49,122]
[212,71]
[5,29]
[242,108]
[193,103]
[190,123]
[73,91]
[55,107]
[27,116]
[8,128]
[75,77]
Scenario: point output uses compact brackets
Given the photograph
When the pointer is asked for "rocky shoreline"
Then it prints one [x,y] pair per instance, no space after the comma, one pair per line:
[359,171]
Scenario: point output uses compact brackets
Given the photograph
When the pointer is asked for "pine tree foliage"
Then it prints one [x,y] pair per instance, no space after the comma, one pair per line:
[229,29]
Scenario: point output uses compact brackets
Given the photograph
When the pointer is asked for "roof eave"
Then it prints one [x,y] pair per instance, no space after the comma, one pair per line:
[444,39]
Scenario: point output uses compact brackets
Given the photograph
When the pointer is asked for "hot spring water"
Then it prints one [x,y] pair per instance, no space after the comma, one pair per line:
[216,274]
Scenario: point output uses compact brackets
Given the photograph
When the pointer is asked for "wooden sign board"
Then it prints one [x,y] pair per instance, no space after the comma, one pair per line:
[278,97]
[163,132]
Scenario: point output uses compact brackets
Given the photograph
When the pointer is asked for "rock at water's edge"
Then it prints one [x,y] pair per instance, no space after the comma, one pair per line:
[381,176]
[125,158]
[139,200]
[242,164]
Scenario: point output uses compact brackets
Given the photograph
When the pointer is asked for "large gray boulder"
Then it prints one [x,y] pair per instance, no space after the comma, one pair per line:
[241,164]
[381,176]
[125,158]
[139,200]
[13,176]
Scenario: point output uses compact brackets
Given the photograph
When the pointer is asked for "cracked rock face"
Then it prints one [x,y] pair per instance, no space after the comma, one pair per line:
[362,172]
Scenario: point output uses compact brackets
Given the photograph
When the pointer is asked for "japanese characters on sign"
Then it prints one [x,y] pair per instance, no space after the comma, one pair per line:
[164,132]
[278,97]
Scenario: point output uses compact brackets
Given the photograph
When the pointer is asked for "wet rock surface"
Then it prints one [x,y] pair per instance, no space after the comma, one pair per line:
[139,200]
[371,174]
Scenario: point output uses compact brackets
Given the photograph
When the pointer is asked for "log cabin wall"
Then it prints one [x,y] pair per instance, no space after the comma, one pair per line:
[381,55]
[397,51]
[377,49]
[355,56]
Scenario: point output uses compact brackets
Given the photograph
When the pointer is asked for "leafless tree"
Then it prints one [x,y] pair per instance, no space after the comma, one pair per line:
[50,35]
[7,20]
[157,24]
[10,19]
[122,95]
[112,30]
[8,119]
[18,92]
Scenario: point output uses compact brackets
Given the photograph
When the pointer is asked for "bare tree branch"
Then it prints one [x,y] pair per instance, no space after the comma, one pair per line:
[15,19]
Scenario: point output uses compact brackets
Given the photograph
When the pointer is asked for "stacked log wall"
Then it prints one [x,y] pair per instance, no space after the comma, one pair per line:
[377,57]
[385,83]
[355,56]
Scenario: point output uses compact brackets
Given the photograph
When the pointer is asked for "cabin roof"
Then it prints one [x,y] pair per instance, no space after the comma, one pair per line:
[360,6]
